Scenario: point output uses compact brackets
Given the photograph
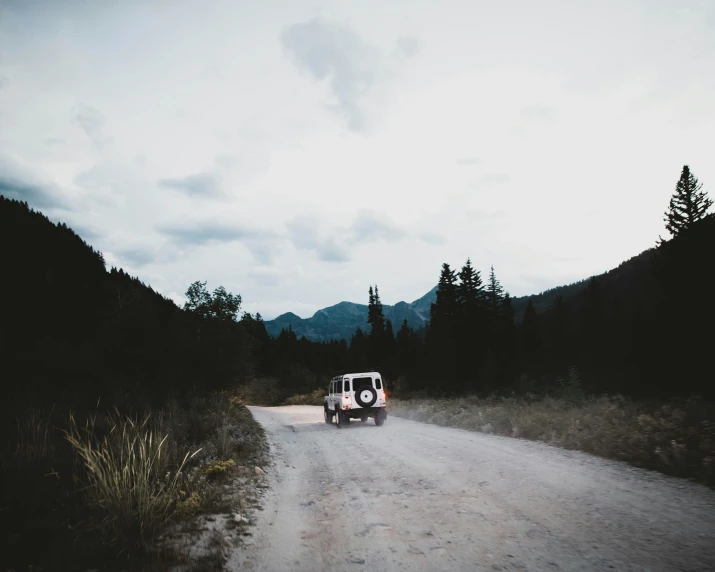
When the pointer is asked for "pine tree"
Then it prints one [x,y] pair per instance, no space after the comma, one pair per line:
[495,295]
[376,318]
[470,291]
[379,323]
[441,332]
[687,205]
[375,314]
[443,310]
[470,323]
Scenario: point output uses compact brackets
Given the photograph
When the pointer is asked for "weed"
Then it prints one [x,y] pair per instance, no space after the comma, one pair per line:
[219,468]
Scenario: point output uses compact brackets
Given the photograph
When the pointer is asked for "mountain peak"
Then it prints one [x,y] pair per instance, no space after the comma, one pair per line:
[342,319]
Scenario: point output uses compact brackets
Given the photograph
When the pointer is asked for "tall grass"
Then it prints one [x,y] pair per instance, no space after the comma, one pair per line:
[128,478]
[33,443]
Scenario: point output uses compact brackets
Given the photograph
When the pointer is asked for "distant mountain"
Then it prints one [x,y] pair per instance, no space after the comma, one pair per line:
[341,320]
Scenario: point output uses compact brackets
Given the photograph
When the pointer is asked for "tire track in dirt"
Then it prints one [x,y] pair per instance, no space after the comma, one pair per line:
[411,496]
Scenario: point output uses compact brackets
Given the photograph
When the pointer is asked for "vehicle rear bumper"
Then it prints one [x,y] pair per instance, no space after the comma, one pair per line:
[359,412]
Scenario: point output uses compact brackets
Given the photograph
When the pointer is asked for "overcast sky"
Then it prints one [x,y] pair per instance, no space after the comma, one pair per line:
[297,151]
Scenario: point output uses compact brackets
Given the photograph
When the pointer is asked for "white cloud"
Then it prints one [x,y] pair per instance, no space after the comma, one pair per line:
[296,157]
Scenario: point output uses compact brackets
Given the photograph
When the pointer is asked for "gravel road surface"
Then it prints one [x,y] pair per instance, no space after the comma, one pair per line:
[416,497]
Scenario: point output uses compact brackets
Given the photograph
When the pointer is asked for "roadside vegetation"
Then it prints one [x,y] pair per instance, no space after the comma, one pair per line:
[118,489]
[676,437]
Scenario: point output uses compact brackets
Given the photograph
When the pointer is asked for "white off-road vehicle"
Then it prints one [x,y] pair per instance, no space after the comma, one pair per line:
[355,396]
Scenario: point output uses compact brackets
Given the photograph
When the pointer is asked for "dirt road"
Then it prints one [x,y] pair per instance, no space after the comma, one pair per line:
[410,496]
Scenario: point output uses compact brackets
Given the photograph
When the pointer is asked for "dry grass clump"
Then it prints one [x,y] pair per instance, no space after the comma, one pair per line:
[130,480]
[676,438]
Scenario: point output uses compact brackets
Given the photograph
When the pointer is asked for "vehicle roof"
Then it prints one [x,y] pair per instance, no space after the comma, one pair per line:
[357,374]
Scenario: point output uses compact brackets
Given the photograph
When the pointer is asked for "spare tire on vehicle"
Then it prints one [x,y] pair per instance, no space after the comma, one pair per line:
[365,396]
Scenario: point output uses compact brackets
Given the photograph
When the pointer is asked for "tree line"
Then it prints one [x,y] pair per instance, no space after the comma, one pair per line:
[641,329]
[69,326]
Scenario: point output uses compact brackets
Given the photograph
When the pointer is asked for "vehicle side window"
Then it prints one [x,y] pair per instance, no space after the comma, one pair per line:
[347,385]
[333,389]
[378,383]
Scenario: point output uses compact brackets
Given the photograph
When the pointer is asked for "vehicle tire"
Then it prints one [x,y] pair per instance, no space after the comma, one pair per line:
[380,416]
[366,396]
[340,419]
[328,415]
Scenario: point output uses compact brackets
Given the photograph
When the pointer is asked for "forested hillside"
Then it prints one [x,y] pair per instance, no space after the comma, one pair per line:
[69,326]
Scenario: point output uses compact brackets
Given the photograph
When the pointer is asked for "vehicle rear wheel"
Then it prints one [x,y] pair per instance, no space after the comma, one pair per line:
[343,419]
[380,416]
[328,415]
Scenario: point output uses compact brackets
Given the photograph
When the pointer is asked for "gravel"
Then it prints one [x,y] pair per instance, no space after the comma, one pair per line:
[477,502]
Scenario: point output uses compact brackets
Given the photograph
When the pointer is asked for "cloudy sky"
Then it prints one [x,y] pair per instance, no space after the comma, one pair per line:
[296,151]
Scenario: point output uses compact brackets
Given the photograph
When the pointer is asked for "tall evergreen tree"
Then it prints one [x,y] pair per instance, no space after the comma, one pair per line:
[376,318]
[371,307]
[441,333]
[494,294]
[470,290]
[470,325]
[688,204]
[444,309]
[375,314]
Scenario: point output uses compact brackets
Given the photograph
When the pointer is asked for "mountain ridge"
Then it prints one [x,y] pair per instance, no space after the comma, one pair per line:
[341,320]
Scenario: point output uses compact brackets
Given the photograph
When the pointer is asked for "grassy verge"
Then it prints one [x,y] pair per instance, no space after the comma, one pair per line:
[676,438]
[105,488]
[315,397]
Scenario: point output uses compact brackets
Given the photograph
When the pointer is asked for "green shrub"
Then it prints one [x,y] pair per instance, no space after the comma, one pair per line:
[219,468]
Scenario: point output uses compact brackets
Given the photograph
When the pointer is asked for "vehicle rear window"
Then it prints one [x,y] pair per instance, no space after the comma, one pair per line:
[360,381]
[378,383]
